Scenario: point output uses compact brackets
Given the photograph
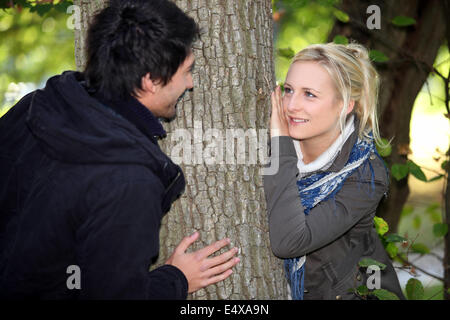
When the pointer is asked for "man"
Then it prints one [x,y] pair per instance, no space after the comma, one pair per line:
[83,182]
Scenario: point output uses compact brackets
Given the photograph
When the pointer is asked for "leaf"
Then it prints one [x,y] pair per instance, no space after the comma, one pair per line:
[444,165]
[367,262]
[392,250]
[399,171]
[420,248]
[385,149]
[416,171]
[403,21]
[341,16]
[407,210]
[417,222]
[414,289]
[380,225]
[436,178]
[287,53]
[340,39]
[362,290]
[395,238]
[378,56]
[383,294]
[440,230]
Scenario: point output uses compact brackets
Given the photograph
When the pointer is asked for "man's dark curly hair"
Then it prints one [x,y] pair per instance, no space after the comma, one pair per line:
[130,38]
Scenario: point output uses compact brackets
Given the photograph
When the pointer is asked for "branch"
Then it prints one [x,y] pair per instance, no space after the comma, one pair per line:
[407,263]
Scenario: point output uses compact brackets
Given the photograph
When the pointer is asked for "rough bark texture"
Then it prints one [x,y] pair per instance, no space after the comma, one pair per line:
[233,78]
[412,51]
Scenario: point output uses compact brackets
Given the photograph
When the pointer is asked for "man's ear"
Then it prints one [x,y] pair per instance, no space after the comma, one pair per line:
[148,84]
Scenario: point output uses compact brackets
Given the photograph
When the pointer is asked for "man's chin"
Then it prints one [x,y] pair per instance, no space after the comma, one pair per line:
[170,116]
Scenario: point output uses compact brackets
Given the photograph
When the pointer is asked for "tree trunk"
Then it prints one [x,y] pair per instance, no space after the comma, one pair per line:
[412,51]
[224,196]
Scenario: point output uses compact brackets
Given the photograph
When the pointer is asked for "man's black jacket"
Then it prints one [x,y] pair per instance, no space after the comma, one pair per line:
[81,185]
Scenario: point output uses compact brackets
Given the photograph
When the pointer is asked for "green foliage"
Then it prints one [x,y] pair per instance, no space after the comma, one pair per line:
[385,149]
[287,53]
[340,39]
[33,47]
[440,229]
[341,16]
[400,171]
[402,21]
[415,170]
[378,56]
[380,225]
[366,262]
[414,289]
[383,294]
[420,248]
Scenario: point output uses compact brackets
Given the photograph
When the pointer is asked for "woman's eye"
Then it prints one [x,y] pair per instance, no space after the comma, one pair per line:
[309,94]
[287,90]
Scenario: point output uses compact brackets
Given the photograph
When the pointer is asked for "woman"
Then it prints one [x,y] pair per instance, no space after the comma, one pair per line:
[323,198]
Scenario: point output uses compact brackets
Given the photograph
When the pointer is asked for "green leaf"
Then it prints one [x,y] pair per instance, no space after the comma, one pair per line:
[340,39]
[392,250]
[383,294]
[444,165]
[416,171]
[367,262]
[380,225]
[341,16]
[407,210]
[378,56]
[399,171]
[414,289]
[417,222]
[440,230]
[362,290]
[420,248]
[395,238]
[287,53]
[438,177]
[385,149]
[403,21]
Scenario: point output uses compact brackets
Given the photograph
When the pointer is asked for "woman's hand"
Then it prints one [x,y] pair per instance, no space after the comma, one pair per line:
[278,121]
[201,271]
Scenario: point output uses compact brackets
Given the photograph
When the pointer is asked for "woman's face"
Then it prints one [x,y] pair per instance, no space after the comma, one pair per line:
[310,104]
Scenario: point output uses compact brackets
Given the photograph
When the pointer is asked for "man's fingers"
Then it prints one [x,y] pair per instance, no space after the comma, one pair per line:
[219,277]
[212,262]
[187,242]
[222,267]
[209,250]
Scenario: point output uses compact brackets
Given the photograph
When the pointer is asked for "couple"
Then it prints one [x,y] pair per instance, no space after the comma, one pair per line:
[83,181]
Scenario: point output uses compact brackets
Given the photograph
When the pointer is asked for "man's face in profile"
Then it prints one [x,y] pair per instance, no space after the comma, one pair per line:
[168,96]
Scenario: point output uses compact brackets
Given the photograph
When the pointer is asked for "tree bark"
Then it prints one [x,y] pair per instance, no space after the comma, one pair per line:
[411,51]
[233,79]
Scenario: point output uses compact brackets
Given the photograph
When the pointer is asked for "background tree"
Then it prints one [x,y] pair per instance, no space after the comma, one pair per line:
[233,78]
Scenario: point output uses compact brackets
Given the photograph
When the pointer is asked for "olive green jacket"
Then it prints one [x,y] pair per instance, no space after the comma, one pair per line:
[337,233]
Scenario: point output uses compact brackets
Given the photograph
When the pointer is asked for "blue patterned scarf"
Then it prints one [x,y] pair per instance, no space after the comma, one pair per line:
[318,187]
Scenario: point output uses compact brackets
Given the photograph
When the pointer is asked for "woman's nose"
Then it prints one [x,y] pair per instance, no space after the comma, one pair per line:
[292,104]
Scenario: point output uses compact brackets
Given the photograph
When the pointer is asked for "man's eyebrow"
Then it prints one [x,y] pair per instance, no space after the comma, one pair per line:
[192,66]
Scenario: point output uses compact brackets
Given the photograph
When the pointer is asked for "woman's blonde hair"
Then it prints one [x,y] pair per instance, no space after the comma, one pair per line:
[355,79]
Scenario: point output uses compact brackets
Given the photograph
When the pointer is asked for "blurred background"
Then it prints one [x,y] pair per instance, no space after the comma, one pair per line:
[37,41]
